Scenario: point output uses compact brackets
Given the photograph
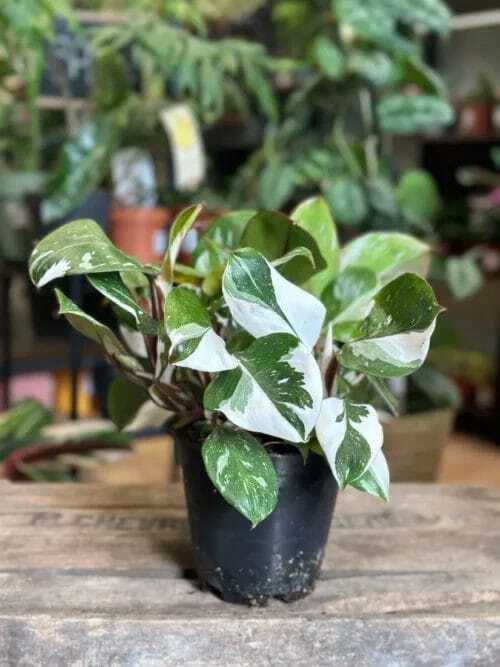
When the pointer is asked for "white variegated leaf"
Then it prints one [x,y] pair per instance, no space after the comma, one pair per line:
[376,478]
[242,471]
[263,302]
[78,248]
[393,339]
[276,389]
[194,344]
[182,224]
[351,436]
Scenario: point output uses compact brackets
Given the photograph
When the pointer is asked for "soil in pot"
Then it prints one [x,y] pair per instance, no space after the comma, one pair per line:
[280,558]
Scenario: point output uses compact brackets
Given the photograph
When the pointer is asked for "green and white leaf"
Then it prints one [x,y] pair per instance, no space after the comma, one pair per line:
[463,276]
[113,288]
[181,226]
[314,216]
[194,343]
[276,389]
[408,114]
[351,285]
[99,333]
[78,248]
[376,479]
[374,66]
[242,471]
[351,436]
[393,339]
[263,302]
[432,14]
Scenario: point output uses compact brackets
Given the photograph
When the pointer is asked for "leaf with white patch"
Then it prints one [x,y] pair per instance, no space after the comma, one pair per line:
[276,389]
[314,216]
[263,302]
[182,224]
[376,479]
[242,471]
[297,252]
[351,436]
[393,339]
[78,248]
[99,333]
[113,288]
[194,344]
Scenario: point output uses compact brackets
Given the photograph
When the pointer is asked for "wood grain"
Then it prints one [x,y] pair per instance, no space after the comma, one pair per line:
[96,575]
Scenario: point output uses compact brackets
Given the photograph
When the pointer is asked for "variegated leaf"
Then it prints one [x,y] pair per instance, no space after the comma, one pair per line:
[194,343]
[351,436]
[99,333]
[240,468]
[393,340]
[314,216]
[113,288]
[385,254]
[182,224]
[375,480]
[263,302]
[276,389]
[78,248]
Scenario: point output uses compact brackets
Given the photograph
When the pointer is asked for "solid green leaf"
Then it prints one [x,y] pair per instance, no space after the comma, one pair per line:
[276,389]
[329,58]
[463,276]
[374,66]
[113,288]
[314,216]
[242,471]
[408,114]
[124,400]
[347,200]
[418,197]
[351,436]
[274,235]
[276,184]
[393,338]
[78,248]
[24,421]
[432,14]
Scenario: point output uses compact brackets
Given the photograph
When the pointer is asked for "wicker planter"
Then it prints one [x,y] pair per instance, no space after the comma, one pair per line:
[414,445]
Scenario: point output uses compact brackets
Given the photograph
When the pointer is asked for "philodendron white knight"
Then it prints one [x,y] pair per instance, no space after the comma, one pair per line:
[270,336]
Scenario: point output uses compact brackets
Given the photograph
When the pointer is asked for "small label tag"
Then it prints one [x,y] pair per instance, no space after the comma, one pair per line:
[188,154]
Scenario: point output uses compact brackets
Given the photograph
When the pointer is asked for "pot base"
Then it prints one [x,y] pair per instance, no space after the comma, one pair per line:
[280,558]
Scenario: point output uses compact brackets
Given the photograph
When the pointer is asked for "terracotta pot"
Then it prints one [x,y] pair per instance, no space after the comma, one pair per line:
[474,119]
[414,445]
[140,232]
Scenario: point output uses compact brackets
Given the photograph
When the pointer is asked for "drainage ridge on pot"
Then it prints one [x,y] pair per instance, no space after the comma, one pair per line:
[282,556]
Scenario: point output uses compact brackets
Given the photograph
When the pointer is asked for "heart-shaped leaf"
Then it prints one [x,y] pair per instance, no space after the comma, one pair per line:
[241,470]
[351,436]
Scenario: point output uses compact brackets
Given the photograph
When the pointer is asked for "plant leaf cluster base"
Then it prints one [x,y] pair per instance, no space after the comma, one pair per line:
[281,558]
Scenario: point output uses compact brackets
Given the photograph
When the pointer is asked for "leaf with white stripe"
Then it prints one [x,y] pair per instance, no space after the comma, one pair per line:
[194,343]
[263,302]
[99,333]
[393,340]
[113,288]
[241,470]
[78,248]
[376,479]
[182,224]
[276,389]
[351,436]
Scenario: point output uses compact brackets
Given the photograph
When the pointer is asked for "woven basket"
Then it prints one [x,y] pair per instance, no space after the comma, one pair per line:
[414,444]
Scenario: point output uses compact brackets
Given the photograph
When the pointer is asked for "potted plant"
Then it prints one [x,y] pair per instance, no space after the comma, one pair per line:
[256,363]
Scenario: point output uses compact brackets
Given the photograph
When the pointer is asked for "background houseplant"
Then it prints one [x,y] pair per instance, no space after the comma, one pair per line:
[248,363]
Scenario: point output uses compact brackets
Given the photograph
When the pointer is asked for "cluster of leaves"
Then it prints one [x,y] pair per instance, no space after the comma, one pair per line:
[365,80]
[269,336]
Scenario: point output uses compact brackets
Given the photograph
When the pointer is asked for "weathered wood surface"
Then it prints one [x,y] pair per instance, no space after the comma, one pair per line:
[95,576]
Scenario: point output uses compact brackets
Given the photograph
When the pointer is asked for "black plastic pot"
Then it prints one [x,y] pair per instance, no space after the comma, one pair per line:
[282,556]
